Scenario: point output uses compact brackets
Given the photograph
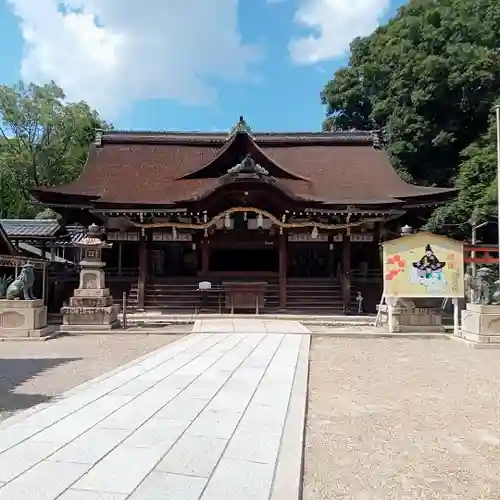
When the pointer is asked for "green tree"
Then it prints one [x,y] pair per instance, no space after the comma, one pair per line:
[477,184]
[427,79]
[43,142]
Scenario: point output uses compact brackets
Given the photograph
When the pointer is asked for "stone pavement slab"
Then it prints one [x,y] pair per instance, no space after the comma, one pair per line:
[252,324]
[179,423]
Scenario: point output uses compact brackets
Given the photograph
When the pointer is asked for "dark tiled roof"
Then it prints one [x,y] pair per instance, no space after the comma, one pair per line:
[30,228]
[6,247]
[148,167]
[74,234]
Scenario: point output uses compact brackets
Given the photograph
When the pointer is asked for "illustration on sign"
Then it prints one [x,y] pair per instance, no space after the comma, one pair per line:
[428,271]
[423,265]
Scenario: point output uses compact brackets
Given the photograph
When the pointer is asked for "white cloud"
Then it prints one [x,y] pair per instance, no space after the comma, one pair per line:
[113,53]
[334,24]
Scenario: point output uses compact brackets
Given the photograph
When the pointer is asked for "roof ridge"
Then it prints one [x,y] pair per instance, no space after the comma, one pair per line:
[290,133]
[368,138]
[228,132]
[52,221]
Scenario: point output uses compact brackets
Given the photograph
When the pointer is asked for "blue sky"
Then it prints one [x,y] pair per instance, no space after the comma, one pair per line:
[188,64]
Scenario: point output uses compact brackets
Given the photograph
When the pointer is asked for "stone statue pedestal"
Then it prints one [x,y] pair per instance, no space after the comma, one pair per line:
[481,325]
[23,318]
[409,319]
[91,307]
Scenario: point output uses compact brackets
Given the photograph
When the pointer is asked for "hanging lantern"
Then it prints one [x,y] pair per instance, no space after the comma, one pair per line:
[174,233]
[314,233]
[245,216]
[205,233]
[260,221]
[205,218]
[227,221]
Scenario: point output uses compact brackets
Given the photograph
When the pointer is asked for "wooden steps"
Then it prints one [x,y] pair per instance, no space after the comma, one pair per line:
[180,295]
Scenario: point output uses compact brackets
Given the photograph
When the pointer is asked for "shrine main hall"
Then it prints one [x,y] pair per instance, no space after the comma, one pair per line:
[301,214]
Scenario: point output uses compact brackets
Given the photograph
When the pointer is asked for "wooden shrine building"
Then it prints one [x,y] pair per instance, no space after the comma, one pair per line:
[304,212]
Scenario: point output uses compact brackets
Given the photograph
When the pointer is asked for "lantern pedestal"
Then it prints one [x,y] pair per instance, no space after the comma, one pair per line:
[481,326]
[91,307]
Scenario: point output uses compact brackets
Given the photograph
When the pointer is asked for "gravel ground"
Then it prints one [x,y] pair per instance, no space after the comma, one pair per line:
[402,419]
[33,372]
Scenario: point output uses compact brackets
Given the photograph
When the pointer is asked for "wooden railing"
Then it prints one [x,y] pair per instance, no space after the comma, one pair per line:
[113,273]
[124,271]
[481,254]
[368,276]
[71,273]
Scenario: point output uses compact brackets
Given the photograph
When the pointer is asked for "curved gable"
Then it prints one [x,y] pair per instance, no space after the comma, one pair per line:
[237,147]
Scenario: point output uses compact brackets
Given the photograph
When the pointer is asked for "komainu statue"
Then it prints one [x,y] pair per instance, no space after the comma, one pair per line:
[4,283]
[22,286]
[481,289]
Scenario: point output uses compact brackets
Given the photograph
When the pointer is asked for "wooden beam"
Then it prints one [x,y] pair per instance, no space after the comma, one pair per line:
[205,256]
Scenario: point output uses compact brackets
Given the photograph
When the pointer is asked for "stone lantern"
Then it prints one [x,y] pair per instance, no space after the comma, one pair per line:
[92,267]
[91,307]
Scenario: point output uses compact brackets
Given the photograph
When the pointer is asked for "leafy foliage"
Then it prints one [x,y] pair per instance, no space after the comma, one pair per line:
[43,142]
[427,79]
[47,213]
[478,195]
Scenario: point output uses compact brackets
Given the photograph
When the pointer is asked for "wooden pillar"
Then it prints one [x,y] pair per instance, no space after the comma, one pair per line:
[346,271]
[205,255]
[331,260]
[143,270]
[120,257]
[283,264]
[45,284]
[381,239]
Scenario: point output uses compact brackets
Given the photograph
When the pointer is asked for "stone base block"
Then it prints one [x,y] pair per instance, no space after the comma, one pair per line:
[23,318]
[481,324]
[91,293]
[479,308]
[90,328]
[79,301]
[99,317]
[477,345]
[407,320]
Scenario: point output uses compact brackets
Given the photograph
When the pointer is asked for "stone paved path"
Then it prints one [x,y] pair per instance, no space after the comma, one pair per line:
[249,325]
[214,416]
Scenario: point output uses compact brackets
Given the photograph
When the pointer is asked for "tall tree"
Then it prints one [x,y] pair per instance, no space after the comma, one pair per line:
[427,79]
[43,142]
[478,191]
